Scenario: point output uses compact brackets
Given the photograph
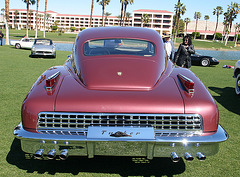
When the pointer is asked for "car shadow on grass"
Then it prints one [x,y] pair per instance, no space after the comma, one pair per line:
[123,166]
[41,57]
[227,98]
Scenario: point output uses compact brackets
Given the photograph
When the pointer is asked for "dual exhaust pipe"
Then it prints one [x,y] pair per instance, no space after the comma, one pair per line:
[64,155]
[51,154]
[175,158]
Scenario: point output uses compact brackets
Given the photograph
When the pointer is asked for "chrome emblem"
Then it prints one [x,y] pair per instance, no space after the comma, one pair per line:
[119,73]
[120,134]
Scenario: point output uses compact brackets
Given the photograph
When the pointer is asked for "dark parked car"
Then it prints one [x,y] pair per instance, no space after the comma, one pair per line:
[236,75]
[198,59]
[119,95]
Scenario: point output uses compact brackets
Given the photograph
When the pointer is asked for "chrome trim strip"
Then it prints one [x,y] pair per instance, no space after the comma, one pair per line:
[220,136]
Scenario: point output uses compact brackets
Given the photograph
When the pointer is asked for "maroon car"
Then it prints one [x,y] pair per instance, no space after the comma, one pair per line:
[118,95]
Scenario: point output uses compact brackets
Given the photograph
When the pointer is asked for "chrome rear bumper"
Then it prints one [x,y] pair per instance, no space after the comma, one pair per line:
[130,145]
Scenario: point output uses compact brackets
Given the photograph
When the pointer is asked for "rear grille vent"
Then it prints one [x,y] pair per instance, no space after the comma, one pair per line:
[60,121]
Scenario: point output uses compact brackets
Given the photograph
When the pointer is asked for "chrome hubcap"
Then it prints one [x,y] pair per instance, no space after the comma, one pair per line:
[238,83]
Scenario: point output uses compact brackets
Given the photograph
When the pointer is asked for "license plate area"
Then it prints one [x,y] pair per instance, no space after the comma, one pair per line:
[120,133]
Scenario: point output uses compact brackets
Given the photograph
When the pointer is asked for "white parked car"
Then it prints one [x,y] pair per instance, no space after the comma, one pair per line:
[237,76]
[26,43]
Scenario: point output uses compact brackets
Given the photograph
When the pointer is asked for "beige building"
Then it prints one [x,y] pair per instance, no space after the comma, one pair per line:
[160,20]
[207,28]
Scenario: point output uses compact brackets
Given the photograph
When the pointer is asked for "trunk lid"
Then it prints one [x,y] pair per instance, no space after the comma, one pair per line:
[135,73]
[74,97]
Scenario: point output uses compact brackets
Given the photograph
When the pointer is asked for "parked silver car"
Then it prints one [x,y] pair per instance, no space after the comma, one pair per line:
[43,47]
[237,76]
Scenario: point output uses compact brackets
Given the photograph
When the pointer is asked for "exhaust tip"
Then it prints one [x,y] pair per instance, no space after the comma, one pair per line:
[200,156]
[175,157]
[51,154]
[188,157]
[64,154]
[38,154]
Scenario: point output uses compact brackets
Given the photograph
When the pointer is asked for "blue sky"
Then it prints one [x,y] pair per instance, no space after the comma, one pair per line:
[83,7]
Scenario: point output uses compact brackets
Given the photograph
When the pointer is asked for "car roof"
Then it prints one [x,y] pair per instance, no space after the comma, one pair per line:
[43,39]
[119,32]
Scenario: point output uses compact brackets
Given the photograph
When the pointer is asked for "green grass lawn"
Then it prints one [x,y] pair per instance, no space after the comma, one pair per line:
[55,36]
[18,72]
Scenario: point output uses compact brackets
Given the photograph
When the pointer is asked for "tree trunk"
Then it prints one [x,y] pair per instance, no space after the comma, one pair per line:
[186,29]
[230,28]
[196,29]
[178,19]
[121,21]
[36,34]
[91,13]
[205,31]
[124,16]
[215,29]
[44,23]
[103,11]
[7,20]
[27,19]
[235,45]
[223,33]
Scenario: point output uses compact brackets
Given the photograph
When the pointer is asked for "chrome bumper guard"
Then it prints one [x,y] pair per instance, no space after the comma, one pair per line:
[120,141]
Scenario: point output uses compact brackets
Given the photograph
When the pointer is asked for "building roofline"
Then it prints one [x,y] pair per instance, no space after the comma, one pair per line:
[153,11]
[58,14]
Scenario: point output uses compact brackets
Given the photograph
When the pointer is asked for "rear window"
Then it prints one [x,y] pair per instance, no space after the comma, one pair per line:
[42,42]
[119,47]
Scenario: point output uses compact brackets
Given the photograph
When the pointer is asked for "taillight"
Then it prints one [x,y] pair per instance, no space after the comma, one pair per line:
[52,81]
[187,83]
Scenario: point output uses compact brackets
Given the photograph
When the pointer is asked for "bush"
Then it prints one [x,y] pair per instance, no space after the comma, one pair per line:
[218,36]
[82,28]
[197,34]
[238,37]
[54,28]
[73,29]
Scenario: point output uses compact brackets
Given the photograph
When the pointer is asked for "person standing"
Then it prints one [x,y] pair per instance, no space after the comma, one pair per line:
[169,46]
[1,37]
[183,54]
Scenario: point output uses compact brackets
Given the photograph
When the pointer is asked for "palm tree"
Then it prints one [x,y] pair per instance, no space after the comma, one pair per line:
[237,28]
[44,23]
[15,17]
[128,16]
[30,23]
[103,3]
[226,24]
[197,16]
[91,13]
[119,20]
[206,17]
[125,8]
[7,21]
[180,10]
[233,10]
[217,11]
[145,19]
[28,2]
[186,21]
[106,15]
[122,7]
[2,11]
[47,22]
[37,19]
